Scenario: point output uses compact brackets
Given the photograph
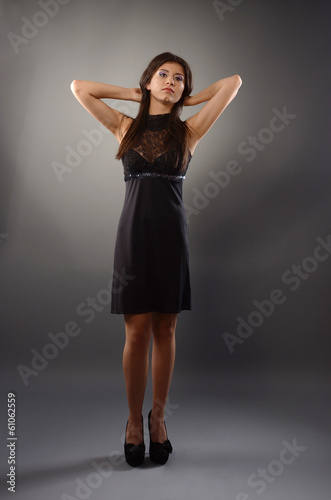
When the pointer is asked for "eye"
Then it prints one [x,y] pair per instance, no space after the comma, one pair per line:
[162,73]
[179,78]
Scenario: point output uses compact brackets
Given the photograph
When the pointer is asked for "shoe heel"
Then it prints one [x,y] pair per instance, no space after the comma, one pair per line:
[134,453]
[158,452]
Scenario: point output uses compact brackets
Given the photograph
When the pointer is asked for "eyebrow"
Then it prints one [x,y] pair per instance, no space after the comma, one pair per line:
[163,69]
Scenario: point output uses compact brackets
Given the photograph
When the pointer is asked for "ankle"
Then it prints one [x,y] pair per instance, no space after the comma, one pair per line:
[134,420]
[157,415]
[134,433]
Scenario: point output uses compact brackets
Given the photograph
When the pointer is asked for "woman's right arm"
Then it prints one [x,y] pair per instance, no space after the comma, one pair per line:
[89,94]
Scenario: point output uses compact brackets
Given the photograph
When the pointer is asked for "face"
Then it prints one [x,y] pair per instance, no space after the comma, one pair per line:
[167,83]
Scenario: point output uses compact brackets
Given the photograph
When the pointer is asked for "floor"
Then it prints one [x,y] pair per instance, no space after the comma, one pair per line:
[235,437]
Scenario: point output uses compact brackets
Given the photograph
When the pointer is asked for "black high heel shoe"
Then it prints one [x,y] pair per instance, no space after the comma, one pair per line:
[134,453]
[158,452]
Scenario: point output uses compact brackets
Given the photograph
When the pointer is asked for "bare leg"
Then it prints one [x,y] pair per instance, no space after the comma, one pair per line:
[163,360]
[135,367]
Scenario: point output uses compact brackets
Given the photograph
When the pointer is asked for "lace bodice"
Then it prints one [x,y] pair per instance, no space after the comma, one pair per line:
[154,156]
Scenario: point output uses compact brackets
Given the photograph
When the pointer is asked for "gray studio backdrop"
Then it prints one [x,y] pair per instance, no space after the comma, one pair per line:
[257,191]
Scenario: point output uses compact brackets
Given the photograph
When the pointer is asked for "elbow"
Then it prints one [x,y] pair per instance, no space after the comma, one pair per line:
[238,81]
[233,82]
[74,86]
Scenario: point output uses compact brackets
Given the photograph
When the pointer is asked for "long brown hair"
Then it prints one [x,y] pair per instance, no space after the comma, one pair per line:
[178,130]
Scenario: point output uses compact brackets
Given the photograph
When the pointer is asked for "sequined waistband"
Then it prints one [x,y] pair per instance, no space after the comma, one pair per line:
[153,174]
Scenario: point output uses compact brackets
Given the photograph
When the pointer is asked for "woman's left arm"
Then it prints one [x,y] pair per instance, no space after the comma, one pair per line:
[219,95]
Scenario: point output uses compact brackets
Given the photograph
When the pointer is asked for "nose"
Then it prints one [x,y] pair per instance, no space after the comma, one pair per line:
[171,80]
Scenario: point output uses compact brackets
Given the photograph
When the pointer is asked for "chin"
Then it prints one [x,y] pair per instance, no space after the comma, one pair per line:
[166,100]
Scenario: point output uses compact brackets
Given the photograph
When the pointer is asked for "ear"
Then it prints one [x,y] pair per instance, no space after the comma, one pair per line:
[148,86]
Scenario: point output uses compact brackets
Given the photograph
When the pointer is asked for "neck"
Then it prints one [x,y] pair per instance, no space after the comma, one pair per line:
[159,108]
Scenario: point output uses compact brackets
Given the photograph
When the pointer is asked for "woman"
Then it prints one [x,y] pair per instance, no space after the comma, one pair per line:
[151,282]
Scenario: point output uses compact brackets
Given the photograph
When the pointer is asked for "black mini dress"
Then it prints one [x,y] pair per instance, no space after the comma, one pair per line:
[151,257]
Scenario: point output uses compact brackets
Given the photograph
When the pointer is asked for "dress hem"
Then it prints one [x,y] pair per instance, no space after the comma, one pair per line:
[153,310]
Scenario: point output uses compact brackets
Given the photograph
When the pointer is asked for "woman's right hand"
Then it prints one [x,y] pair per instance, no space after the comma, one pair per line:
[136,94]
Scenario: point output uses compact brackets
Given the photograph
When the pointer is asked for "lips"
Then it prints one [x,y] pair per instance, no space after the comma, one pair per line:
[168,89]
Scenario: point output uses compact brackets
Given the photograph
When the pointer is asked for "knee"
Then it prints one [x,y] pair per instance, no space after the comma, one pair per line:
[138,338]
[138,330]
[164,328]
